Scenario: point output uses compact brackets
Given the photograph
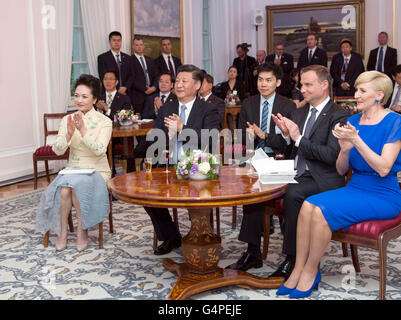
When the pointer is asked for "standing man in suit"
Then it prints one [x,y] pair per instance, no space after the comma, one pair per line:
[345,67]
[395,103]
[260,59]
[315,151]
[118,61]
[383,58]
[312,54]
[244,65]
[255,120]
[188,112]
[155,101]
[286,62]
[205,93]
[167,62]
[145,75]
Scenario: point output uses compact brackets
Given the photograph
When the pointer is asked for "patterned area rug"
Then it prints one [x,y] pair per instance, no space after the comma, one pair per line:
[127,268]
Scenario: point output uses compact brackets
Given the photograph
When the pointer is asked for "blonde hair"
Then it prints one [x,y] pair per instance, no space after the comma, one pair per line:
[379,81]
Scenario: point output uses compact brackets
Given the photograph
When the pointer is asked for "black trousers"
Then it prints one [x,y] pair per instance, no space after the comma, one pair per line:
[252,224]
[293,199]
[163,223]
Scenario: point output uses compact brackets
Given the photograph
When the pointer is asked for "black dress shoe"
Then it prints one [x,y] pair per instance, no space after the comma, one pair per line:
[247,261]
[167,246]
[284,270]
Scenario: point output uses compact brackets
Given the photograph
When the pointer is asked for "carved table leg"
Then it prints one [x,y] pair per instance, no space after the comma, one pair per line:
[201,250]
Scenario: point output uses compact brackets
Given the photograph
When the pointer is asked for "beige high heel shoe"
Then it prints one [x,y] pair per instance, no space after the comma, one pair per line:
[61,246]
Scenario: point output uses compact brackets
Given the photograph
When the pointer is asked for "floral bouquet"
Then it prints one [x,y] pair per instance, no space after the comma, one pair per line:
[124,117]
[232,99]
[350,106]
[198,165]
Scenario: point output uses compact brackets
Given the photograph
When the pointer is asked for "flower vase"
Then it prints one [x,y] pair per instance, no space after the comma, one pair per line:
[197,176]
[126,123]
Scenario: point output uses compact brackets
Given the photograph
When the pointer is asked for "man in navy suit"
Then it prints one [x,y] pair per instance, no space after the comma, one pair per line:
[166,62]
[383,58]
[286,62]
[345,68]
[196,115]
[312,54]
[118,61]
[255,120]
[145,75]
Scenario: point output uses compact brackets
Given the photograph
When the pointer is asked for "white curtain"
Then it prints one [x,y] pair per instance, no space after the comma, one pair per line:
[59,43]
[229,26]
[97,26]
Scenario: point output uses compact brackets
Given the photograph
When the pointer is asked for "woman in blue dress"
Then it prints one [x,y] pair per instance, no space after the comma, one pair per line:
[370,146]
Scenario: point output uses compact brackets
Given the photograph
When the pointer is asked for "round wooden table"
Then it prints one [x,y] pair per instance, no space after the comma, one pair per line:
[201,247]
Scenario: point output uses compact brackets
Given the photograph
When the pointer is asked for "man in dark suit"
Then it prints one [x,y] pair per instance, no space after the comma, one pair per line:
[110,103]
[205,93]
[189,112]
[255,120]
[244,65]
[167,62]
[312,54]
[286,62]
[314,149]
[345,68]
[383,58]
[118,61]
[145,75]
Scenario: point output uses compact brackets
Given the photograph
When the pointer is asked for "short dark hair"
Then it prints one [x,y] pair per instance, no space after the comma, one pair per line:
[113,72]
[172,79]
[384,32]
[345,41]
[396,70]
[165,38]
[114,33]
[208,78]
[270,67]
[231,67]
[322,72]
[91,82]
[197,74]
[137,38]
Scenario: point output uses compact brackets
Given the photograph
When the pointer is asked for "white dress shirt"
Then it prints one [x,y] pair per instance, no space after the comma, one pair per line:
[165,57]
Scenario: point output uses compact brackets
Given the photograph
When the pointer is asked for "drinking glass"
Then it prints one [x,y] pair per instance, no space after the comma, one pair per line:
[249,154]
[166,156]
[148,165]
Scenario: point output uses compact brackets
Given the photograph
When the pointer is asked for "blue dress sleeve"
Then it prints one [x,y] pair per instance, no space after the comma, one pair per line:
[395,130]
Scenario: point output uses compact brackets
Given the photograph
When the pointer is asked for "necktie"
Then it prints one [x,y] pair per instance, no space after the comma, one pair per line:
[301,163]
[263,125]
[344,70]
[396,98]
[310,56]
[109,100]
[145,71]
[380,61]
[170,66]
[163,97]
[179,143]
[119,69]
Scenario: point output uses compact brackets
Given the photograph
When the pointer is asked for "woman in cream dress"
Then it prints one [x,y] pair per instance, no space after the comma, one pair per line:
[87,133]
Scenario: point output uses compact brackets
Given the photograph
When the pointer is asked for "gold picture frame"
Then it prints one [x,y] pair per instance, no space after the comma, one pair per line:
[291,24]
[152,34]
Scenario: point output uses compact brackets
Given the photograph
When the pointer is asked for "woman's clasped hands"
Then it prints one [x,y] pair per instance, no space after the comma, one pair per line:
[75,122]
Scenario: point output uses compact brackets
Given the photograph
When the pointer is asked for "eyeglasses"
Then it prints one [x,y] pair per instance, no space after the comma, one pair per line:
[111,79]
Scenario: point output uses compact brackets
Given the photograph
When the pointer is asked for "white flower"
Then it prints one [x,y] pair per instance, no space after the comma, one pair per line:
[204,167]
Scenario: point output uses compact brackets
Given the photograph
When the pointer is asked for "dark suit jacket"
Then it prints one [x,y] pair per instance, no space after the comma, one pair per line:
[238,86]
[390,60]
[321,149]
[162,65]
[319,57]
[120,102]
[107,62]
[138,95]
[355,68]
[149,110]
[221,106]
[203,116]
[250,111]
[287,65]
[245,71]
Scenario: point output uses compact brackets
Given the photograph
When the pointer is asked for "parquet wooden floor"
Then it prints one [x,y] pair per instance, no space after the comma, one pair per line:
[22,187]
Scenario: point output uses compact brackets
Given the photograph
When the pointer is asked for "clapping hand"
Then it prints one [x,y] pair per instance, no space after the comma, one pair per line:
[253,130]
[157,104]
[70,127]
[174,124]
[279,121]
[102,106]
[346,136]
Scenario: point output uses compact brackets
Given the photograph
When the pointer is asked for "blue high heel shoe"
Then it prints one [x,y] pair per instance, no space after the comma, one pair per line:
[296,294]
[283,291]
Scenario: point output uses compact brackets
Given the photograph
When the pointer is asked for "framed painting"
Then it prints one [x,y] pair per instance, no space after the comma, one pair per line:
[154,20]
[329,21]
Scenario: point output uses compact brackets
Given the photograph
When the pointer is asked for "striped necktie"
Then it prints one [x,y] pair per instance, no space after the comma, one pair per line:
[263,124]
[145,71]
[119,70]
[380,61]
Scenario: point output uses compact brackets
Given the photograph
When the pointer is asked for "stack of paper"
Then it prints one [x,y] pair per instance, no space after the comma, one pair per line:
[272,171]
[71,170]
[145,121]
